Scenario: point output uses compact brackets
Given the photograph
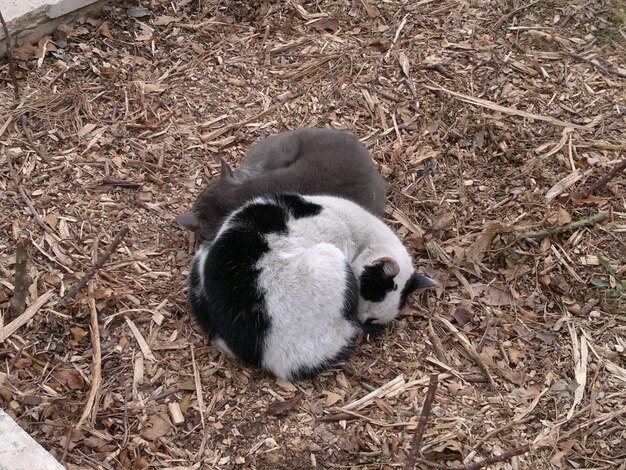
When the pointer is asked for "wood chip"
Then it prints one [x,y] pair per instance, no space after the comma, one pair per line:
[143,345]
[25,317]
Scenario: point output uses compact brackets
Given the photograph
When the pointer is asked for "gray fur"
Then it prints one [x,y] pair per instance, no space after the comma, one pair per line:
[305,161]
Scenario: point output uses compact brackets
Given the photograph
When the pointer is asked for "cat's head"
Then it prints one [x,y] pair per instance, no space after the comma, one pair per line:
[212,205]
[386,279]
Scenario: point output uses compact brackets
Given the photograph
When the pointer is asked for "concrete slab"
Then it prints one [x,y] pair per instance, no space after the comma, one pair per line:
[29,20]
[19,451]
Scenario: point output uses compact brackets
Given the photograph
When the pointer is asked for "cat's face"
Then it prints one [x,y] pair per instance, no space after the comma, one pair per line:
[385,286]
[211,206]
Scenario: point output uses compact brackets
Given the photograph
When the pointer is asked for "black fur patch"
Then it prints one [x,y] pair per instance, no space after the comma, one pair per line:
[371,328]
[298,206]
[349,311]
[308,372]
[232,307]
[375,284]
[411,286]
[351,296]
[261,218]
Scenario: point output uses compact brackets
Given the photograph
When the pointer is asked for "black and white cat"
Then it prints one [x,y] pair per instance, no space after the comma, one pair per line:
[305,161]
[289,280]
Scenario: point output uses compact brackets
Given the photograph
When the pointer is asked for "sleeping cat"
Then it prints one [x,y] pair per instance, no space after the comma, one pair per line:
[304,161]
[288,281]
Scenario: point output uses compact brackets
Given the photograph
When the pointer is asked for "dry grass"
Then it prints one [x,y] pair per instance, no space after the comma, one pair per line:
[501,95]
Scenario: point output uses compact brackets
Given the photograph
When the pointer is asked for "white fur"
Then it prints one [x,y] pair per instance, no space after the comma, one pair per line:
[199,259]
[221,344]
[362,238]
[303,277]
[304,293]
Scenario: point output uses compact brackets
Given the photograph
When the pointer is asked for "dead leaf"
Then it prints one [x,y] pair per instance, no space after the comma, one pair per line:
[547,338]
[515,355]
[156,427]
[185,403]
[94,442]
[77,334]
[476,252]
[6,394]
[563,217]
[332,398]
[74,380]
[281,407]
[559,217]
[104,30]
[595,200]
[556,283]
[371,9]
[462,316]
[489,355]
[326,24]
[25,51]
[557,458]
[86,129]
[379,45]
[495,296]
[517,377]
[22,362]
[80,31]
[441,220]
[165,20]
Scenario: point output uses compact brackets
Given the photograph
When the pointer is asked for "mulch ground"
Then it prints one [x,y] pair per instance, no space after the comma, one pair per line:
[490,120]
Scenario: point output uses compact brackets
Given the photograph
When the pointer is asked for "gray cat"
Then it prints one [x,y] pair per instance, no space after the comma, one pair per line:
[305,161]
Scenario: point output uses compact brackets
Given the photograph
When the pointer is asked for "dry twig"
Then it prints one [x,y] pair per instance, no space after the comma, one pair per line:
[25,198]
[599,217]
[99,263]
[470,350]
[436,342]
[40,149]
[511,13]
[110,181]
[416,443]
[337,417]
[508,455]
[596,65]
[91,407]
[511,111]
[602,182]
[22,281]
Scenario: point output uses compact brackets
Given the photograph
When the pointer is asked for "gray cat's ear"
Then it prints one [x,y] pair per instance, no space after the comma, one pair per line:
[189,220]
[389,265]
[226,172]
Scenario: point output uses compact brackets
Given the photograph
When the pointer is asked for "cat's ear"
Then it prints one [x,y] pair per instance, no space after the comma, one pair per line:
[389,265]
[189,220]
[226,172]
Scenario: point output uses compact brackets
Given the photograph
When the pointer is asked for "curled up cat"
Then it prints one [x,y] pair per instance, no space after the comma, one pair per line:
[288,281]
